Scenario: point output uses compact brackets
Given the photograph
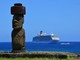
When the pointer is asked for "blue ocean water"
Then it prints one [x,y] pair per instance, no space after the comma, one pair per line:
[73,47]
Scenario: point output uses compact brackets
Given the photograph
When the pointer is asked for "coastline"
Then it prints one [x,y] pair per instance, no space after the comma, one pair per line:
[40,54]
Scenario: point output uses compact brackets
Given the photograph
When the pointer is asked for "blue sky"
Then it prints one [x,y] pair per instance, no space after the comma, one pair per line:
[61,17]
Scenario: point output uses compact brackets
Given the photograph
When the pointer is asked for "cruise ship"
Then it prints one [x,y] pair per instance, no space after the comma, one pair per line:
[43,38]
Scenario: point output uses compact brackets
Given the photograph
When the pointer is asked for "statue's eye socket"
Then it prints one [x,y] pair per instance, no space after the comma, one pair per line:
[18,18]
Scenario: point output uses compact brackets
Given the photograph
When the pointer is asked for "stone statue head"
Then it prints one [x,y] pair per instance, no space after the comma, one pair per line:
[18,21]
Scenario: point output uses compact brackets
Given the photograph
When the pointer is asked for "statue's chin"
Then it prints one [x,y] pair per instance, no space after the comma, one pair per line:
[17,27]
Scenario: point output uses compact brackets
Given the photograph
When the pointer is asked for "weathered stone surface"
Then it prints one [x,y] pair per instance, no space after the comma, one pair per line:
[18,33]
[18,40]
[18,9]
[18,21]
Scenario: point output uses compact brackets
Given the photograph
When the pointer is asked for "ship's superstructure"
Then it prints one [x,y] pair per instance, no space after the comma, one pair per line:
[45,38]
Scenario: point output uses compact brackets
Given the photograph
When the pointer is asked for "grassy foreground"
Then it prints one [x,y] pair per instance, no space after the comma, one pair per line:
[35,59]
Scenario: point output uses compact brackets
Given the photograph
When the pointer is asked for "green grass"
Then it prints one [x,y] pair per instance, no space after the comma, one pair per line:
[35,59]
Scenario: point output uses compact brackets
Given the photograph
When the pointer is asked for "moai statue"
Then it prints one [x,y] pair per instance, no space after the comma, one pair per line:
[18,33]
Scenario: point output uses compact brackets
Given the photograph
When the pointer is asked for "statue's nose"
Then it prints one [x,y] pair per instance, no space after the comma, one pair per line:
[15,21]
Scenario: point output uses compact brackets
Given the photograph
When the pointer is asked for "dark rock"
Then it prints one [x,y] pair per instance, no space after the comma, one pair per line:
[33,55]
[18,9]
[61,56]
